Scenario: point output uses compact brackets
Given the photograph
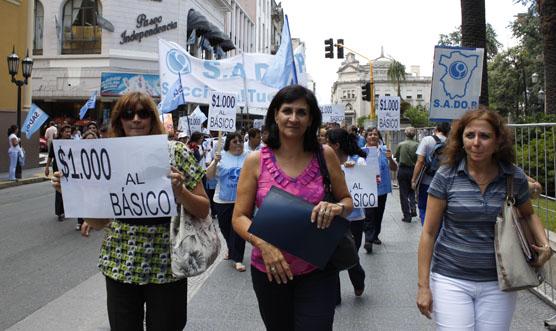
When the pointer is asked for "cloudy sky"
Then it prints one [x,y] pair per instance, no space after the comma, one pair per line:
[407,29]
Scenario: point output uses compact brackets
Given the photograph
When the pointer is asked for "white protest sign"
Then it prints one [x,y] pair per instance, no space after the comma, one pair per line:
[198,119]
[258,124]
[361,182]
[456,81]
[222,112]
[116,177]
[389,113]
[332,113]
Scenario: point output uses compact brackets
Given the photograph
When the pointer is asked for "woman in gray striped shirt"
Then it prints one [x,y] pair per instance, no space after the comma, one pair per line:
[457,271]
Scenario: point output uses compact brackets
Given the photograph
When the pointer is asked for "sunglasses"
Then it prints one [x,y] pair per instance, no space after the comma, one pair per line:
[129,114]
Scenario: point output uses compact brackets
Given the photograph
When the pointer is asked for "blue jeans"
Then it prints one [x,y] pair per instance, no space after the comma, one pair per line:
[422,201]
[14,157]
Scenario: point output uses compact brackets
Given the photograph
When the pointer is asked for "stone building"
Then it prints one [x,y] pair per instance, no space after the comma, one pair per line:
[352,74]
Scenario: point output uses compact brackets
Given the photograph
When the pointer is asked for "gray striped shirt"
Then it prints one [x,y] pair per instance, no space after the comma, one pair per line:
[465,245]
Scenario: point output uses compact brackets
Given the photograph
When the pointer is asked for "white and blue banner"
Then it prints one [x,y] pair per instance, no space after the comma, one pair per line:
[34,120]
[282,71]
[200,77]
[173,99]
[90,104]
[115,84]
[456,81]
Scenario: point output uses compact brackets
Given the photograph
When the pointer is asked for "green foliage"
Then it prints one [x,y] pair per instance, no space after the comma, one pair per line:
[535,153]
[396,73]
[361,121]
[417,116]
[454,39]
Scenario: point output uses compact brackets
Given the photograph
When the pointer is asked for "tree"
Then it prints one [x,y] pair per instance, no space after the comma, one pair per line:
[547,10]
[492,44]
[396,73]
[473,34]
[417,116]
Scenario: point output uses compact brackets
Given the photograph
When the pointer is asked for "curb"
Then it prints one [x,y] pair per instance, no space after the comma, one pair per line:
[24,181]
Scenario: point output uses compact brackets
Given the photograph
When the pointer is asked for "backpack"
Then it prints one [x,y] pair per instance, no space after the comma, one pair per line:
[433,160]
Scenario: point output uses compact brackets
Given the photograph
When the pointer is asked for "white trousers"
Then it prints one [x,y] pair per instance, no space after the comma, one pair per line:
[467,305]
[14,158]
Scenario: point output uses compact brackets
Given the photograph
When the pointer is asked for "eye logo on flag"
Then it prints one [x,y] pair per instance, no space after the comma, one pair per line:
[177,62]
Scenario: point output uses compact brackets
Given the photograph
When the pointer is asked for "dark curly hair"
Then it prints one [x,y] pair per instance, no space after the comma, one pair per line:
[347,141]
[454,152]
[290,94]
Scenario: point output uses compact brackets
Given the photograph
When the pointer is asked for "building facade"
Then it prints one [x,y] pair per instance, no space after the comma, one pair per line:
[264,26]
[277,22]
[415,89]
[86,43]
[240,25]
[17,33]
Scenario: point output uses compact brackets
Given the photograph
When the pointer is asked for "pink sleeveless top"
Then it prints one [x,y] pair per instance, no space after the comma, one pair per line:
[308,185]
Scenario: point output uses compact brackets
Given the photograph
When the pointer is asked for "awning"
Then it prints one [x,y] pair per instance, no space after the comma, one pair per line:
[196,21]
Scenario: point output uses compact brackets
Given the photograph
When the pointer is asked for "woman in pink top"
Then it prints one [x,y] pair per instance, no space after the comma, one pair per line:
[292,294]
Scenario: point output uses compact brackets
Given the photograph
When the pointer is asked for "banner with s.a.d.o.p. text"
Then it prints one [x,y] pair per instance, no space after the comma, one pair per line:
[241,75]
[456,81]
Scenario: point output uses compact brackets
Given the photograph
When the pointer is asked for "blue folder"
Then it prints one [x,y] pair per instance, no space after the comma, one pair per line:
[284,220]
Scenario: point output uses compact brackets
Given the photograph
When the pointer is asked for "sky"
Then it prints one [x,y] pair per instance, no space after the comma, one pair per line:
[407,29]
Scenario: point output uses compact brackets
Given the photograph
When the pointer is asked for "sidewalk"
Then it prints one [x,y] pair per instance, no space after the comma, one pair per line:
[223,299]
[28,176]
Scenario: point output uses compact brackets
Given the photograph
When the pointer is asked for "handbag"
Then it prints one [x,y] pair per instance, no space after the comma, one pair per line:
[195,244]
[21,157]
[512,245]
[345,255]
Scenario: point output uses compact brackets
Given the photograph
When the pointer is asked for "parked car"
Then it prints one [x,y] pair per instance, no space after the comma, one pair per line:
[43,146]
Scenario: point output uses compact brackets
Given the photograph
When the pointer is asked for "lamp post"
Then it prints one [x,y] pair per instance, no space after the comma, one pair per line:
[27,67]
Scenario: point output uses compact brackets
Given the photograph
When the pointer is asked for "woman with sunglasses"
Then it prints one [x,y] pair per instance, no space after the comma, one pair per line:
[226,168]
[135,253]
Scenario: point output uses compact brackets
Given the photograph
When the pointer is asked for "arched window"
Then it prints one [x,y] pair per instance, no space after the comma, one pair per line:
[39,28]
[81,32]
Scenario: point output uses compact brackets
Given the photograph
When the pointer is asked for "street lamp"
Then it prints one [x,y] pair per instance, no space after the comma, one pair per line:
[27,67]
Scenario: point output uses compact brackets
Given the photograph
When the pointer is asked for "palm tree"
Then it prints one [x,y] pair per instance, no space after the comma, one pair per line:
[473,34]
[396,73]
[547,11]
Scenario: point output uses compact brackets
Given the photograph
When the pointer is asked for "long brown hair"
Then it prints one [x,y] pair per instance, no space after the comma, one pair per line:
[130,101]
[454,151]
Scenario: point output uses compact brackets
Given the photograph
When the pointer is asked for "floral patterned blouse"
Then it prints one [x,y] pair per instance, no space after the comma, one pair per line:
[138,253]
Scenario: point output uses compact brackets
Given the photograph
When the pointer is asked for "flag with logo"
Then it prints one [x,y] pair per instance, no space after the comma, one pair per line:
[35,119]
[90,104]
[174,98]
[282,71]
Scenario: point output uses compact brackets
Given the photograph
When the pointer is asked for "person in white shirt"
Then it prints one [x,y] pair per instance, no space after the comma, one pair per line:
[254,141]
[51,132]
[14,151]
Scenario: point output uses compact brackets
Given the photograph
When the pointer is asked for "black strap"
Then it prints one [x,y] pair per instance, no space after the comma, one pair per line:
[325,176]
[437,139]
[510,189]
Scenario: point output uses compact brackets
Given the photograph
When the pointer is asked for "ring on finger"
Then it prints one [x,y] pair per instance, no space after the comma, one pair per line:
[273,269]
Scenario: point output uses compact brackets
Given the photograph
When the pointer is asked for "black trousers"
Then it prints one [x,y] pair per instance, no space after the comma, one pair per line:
[166,305]
[373,219]
[407,195]
[58,204]
[356,273]
[305,303]
[236,244]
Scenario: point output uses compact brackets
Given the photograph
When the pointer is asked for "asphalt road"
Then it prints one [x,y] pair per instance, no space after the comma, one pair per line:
[40,258]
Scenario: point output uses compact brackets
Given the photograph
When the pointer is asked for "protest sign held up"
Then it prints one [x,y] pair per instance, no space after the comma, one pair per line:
[222,112]
[108,178]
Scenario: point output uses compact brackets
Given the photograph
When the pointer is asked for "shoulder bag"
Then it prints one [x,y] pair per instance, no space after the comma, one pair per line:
[345,256]
[512,244]
[194,244]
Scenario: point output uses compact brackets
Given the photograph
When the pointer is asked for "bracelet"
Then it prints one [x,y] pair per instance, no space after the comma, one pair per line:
[250,238]
[343,207]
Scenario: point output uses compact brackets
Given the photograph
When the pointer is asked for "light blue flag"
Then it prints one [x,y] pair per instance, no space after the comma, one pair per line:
[192,37]
[90,104]
[173,99]
[35,119]
[282,71]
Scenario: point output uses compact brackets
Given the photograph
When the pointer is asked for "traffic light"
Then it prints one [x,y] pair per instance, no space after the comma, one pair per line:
[366,92]
[340,48]
[329,48]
